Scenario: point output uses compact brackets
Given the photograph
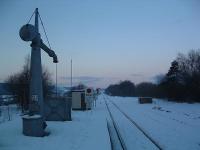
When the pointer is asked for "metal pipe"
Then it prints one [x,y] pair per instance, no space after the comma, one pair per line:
[50,52]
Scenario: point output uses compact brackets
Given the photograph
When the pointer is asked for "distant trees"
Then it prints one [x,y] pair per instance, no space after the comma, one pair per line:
[19,84]
[80,86]
[180,83]
[127,88]
[124,88]
[172,82]
[147,89]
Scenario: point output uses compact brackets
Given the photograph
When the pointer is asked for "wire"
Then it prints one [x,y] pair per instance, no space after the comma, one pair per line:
[71,73]
[56,82]
[31,17]
[44,31]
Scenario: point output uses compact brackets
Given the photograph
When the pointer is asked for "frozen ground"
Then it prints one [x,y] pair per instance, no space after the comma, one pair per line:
[88,130]
[175,126]
[7,113]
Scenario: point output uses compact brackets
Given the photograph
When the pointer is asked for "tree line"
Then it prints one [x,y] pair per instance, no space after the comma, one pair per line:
[181,83]
[19,83]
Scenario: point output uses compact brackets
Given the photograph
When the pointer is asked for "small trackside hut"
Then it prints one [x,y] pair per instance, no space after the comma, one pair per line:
[145,100]
[78,100]
[83,99]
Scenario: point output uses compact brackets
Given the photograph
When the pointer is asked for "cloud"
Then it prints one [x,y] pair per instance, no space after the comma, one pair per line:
[137,75]
[82,79]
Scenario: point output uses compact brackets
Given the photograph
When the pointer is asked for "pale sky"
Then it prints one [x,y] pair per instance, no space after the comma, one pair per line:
[108,40]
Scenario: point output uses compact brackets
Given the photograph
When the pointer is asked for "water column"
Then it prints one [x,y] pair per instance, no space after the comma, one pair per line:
[34,123]
[36,105]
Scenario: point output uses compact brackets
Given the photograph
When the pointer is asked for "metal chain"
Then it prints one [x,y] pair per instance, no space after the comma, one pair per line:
[31,17]
[50,48]
[44,31]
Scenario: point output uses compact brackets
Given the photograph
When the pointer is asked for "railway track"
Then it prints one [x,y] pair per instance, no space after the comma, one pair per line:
[114,131]
[133,123]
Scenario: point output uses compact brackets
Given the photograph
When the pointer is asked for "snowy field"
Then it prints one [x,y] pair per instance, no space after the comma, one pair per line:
[174,126]
[87,130]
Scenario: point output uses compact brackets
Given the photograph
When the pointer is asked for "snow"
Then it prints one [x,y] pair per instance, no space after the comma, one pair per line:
[87,130]
[172,125]
[31,117]
[134,138]
[8,112]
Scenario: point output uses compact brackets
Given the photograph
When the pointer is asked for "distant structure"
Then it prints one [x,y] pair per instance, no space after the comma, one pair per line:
[5,94]
[34,122]
[83,99]
[4,90]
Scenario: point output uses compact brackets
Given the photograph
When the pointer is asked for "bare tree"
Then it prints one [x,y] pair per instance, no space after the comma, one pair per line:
[19,84]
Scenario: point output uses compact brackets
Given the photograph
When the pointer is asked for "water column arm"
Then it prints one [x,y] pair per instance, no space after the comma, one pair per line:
[50,52]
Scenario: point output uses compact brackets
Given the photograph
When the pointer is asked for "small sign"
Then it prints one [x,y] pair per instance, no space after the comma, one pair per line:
[34,98]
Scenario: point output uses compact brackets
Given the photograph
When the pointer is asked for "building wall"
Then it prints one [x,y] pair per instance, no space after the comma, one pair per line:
[76,100]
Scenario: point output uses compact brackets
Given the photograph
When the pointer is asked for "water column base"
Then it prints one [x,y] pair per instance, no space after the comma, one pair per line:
[33,126]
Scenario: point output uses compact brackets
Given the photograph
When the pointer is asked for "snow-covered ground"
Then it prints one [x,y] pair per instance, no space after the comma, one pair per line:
[7,113]
[173,125]
[87,130]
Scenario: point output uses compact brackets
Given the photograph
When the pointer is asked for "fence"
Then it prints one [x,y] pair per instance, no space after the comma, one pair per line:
[7,109]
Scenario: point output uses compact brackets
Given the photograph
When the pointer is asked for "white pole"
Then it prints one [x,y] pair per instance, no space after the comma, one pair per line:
[66,74]
[71,73]
[56,82]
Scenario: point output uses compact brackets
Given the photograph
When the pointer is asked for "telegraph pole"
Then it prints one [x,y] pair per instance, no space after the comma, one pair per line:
[66,75]
[56,81]
[71,73]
